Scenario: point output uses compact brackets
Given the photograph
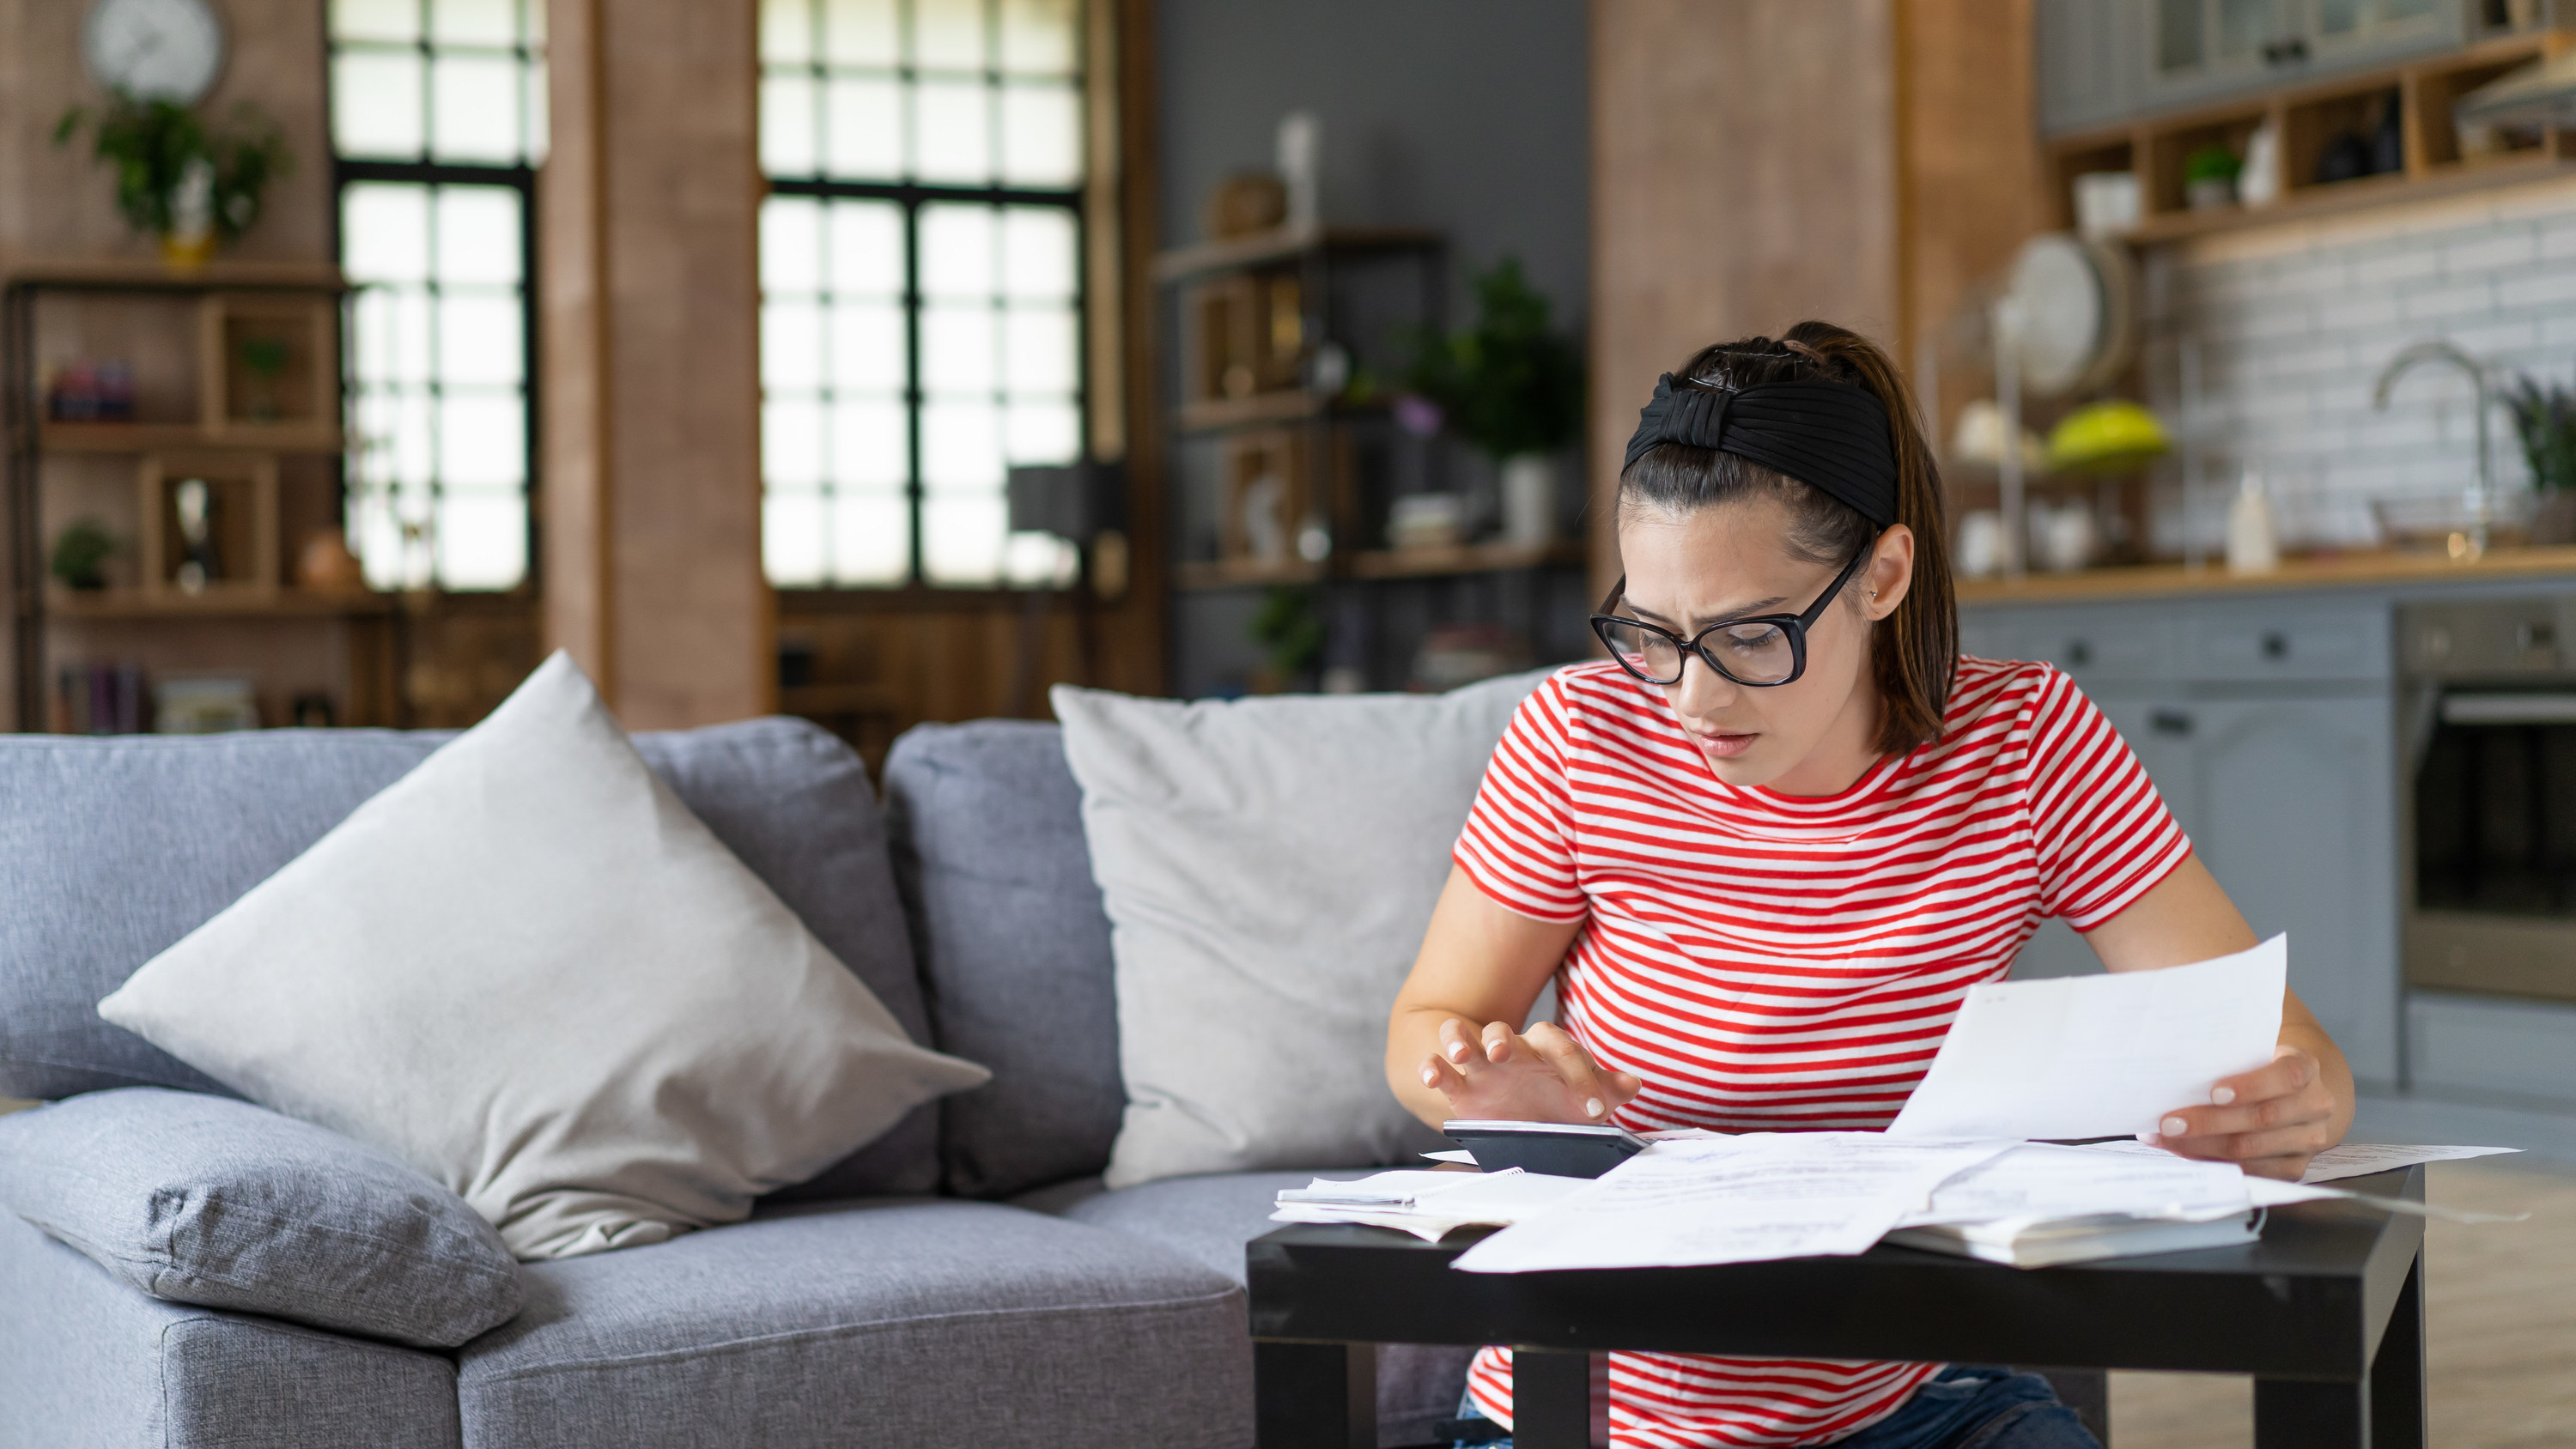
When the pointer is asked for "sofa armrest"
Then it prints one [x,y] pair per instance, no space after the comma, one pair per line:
[220,1203]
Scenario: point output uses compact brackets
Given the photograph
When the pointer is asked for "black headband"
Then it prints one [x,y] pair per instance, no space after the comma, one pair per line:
[1831,436]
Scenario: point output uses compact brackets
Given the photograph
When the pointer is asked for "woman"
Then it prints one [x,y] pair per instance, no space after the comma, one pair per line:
[1767,846]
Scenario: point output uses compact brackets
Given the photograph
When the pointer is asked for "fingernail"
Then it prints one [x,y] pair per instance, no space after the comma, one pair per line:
[2175,1126]
[1457,1054]
[1593,1108]
[1430,1077]
[2223,1095]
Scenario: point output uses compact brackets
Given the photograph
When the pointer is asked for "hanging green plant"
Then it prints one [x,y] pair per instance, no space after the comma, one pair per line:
[176,179]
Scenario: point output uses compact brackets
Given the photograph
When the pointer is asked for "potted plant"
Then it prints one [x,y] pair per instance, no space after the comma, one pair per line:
[1514,389]
[81,552]
[191,187]
[1291,635]
[2209,177]
[2544,418]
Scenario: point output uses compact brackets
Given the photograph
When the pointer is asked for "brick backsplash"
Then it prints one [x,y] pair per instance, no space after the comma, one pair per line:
[2294,322]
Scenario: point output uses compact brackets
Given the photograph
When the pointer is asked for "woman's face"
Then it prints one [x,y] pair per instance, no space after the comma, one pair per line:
[1688,570]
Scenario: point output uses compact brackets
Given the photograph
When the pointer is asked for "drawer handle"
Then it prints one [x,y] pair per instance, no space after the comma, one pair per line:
[2276,646]
[2078,653]
[2169,722]
[2285,52]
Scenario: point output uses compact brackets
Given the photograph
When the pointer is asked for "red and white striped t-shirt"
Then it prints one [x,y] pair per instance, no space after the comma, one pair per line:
[1776,963]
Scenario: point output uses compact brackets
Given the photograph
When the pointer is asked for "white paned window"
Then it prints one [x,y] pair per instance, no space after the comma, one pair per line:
[438,116]
[920,265]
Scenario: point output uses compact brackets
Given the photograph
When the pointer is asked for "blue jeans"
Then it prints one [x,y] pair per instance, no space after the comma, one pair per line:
[1966,1406]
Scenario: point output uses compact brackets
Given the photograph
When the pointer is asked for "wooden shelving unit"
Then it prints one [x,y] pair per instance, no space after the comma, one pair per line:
[264,353]
[1288,245]
[283,604]
[1465,558]
[163,437]
[1288,406]
[2306,118]
[1198,575]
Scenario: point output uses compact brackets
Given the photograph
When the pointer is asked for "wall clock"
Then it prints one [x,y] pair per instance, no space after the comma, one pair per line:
[154,49]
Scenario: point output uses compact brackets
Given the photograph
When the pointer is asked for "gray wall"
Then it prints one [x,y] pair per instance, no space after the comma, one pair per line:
[1468,116]
[1465,115]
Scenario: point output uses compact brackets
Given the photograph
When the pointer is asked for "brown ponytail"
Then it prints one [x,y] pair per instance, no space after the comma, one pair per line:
[1915,650]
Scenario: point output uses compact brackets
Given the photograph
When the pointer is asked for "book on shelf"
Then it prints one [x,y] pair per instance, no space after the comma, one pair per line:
[98,699]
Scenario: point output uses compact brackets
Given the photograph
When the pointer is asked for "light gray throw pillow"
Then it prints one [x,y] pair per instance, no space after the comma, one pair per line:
[1269,866]
[527,971]
[216,1202]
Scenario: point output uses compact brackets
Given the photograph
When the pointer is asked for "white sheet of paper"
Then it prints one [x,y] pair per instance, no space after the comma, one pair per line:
[2271,1192]
[2094,1056]
[2039,1182]
[1459,1154]
[2352,1159]
[1732,1200]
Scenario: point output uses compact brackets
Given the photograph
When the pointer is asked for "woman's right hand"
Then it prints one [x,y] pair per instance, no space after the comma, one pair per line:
[1541,1075]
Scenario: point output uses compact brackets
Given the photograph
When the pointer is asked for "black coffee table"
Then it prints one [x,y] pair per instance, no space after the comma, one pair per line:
[2326,1312]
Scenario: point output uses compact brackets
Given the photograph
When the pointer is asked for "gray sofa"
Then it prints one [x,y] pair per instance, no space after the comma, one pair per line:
[963,1280]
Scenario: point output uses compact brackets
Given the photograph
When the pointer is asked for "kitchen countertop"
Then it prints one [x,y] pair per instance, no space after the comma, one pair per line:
[2345,570]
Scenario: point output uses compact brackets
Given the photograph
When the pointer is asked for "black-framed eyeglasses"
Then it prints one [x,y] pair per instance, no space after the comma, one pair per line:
[1762,650]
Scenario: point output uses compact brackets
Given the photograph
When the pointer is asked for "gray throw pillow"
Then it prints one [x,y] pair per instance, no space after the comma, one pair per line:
[527,970]
[1269,867]
[215,1202]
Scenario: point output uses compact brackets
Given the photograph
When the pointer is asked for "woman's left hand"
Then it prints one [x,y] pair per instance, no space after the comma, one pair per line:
[2269,1121]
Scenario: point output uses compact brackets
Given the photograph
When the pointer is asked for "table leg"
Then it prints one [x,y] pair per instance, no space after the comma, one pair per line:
[1314,1395]
[2397,1374]
[2299,1414]
[1551,1399]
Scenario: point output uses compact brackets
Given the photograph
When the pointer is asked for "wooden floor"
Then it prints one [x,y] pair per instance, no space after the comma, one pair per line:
[2500,1314]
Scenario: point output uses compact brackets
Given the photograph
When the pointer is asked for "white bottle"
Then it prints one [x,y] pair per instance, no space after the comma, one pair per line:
[2253,544]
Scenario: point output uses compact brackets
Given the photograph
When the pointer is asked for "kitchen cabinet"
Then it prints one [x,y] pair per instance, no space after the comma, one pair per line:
[2105,61]
[2292,805]
[2268,726]
[2087,76]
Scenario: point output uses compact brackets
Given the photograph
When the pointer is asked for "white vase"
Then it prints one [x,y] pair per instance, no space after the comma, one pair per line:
[1529,499]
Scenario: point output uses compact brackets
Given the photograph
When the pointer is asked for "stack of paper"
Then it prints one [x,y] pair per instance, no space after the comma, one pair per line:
[1733,1200]
[1430,1205]
[2038,1204]
[2080,1057]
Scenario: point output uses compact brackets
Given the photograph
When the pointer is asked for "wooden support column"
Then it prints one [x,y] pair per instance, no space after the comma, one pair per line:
[1744,178]
[649,292]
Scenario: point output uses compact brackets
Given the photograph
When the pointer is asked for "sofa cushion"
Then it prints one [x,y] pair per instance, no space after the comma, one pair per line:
[1269,867]
[919,1323]
[104,1367]
[986,825]
[113,849]
[1210,1219]
[529,971]
[206,1200]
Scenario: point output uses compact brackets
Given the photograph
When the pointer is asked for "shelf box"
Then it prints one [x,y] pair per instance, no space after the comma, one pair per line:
[2313,124]
[2433,139]
[2117,154]
[2165,192]
[268,365]
[237,547]
[1244,337]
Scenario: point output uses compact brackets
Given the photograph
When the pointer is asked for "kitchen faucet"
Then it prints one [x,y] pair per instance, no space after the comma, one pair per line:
[2481,497]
